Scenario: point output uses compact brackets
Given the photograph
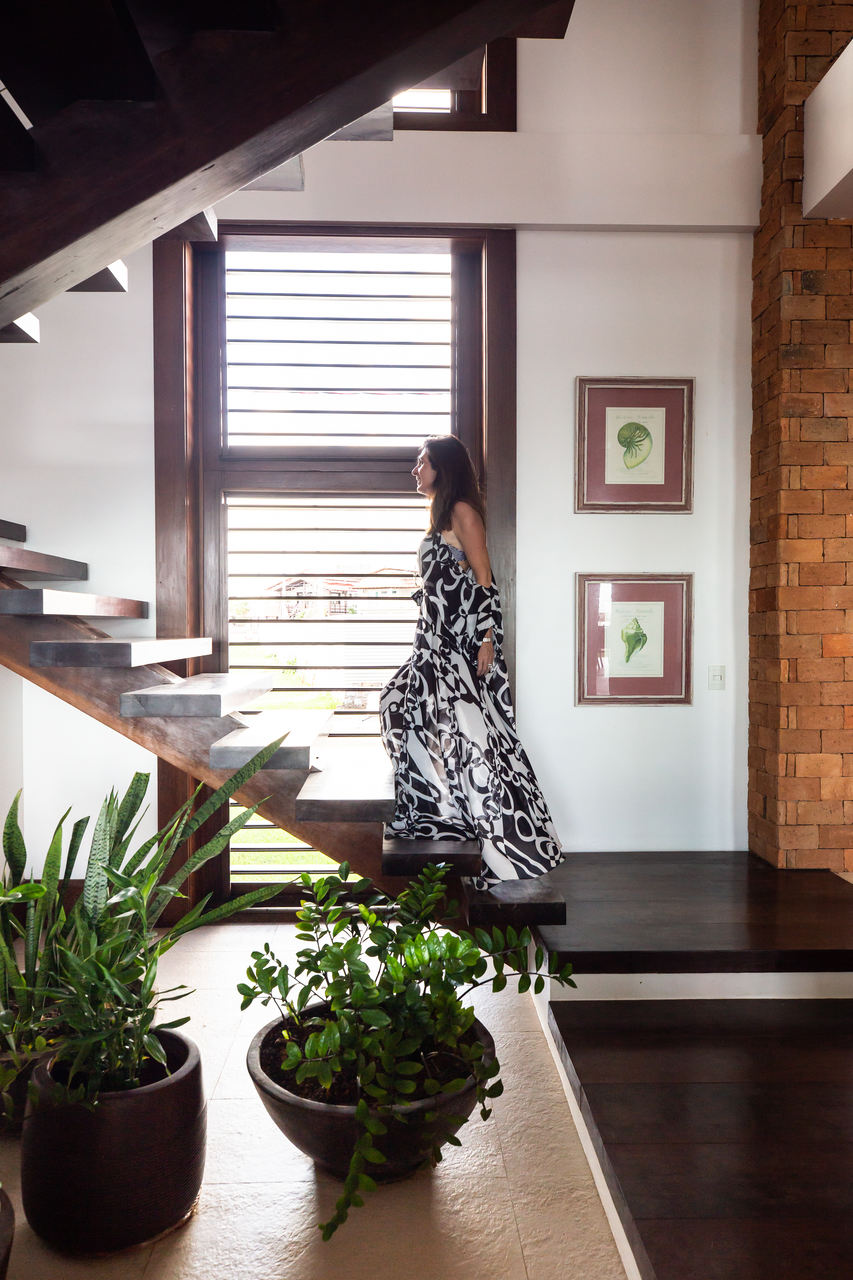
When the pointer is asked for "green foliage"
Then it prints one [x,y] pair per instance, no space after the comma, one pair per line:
[393,985]
[32,920]
[85,986]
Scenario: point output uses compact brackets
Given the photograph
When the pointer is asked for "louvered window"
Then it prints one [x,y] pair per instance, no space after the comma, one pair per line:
[324,356]
[319,598]
[335,348]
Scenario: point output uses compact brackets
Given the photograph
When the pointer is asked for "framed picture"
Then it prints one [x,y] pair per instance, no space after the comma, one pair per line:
[634,444]
[634,637]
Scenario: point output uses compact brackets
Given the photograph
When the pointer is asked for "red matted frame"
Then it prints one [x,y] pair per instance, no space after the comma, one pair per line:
[658,605]
[667,406]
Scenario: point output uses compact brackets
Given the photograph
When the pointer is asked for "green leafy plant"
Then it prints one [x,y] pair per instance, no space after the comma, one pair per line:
[32,920]
[393,1024]
[87,989]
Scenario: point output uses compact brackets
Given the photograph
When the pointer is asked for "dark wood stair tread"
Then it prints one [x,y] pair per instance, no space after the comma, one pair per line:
[10,529]
[215,694]
[301,731]
[724,1129]
[534,901]
[140,652]
[23,563]
[45,602]
[699,911]
[354,783]
[402,857]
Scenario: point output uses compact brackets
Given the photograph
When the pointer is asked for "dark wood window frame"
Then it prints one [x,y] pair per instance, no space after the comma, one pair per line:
[492,108]
[193,469]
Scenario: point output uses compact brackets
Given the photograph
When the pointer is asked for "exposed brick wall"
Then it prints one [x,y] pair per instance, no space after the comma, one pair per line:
[801,585]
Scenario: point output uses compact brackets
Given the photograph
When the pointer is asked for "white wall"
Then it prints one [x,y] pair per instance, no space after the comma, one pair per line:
[78,471]
[642,118]
[647,305]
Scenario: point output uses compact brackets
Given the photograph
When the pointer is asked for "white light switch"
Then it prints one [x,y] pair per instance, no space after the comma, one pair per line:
[717,678]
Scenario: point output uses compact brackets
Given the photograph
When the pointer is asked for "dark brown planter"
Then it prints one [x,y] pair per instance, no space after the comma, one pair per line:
[7,1232]
[327,1133]
[97,1179]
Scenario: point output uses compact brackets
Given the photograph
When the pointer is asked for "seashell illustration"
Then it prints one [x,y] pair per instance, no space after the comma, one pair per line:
[633,638]
[636,442]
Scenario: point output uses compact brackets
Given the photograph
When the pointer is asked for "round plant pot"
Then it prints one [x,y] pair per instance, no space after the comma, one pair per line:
[7,1232]
[327,1132]
[95,1179]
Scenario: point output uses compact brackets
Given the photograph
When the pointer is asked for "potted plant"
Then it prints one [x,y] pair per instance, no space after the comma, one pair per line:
[376,1060]
[32,918]
[114,1136]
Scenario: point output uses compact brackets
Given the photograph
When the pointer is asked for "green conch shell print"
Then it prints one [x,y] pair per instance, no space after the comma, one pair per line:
[636,442]
[633,638]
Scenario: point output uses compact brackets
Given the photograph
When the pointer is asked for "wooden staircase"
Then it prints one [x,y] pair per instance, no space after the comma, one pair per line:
[133,115]
[333,792]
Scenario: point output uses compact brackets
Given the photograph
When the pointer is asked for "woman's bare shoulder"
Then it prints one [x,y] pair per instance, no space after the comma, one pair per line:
[464,516]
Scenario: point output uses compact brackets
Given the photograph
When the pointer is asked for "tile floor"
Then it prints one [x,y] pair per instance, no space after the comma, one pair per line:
[516,1202]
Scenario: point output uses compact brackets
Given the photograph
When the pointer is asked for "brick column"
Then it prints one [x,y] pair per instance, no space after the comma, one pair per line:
[801,526]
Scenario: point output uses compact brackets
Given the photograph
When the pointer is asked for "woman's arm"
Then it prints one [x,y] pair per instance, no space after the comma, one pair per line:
[470,530]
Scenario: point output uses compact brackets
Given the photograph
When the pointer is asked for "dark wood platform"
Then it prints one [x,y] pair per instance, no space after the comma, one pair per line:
[699,913]
[724,1129]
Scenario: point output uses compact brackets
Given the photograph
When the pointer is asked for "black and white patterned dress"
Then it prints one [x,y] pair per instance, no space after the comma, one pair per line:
[460,771]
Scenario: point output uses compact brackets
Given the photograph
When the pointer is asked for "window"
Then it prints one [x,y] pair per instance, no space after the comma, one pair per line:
[328,346]
[477,92]
[322,356]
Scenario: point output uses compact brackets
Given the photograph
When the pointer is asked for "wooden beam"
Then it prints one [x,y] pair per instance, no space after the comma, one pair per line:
[23,329]
[235,106]
[16,532]
[113,279]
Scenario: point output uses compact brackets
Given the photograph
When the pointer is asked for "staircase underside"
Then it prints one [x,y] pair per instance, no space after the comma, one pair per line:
[109,177]
[183,742]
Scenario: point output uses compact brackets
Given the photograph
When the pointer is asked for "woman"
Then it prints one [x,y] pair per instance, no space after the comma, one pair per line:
[447,720]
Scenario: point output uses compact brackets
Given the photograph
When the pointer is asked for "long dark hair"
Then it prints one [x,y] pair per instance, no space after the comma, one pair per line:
[455,481]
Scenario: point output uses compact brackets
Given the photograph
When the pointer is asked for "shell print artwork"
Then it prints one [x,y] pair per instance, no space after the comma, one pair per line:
[633,638]
[636,441]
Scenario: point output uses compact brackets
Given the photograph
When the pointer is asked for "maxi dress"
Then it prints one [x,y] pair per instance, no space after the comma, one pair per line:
[460,771]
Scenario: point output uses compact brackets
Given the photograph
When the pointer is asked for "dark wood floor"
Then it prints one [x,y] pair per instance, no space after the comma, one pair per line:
[724,1129]
[699,912]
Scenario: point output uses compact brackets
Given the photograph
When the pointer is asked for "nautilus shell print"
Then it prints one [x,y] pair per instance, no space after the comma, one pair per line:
[636,441]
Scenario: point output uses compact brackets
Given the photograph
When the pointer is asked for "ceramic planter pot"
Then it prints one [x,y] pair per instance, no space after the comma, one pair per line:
[7,1232]
[97,1179]
[327,1132]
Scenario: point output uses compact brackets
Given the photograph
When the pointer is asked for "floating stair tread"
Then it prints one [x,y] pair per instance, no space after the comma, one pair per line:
[401,857]
[214,694]
[9,529]
[44,602]
[518,902]
[24,563]
[355,783]
[699,911]
[116,653]
[111,279]
[24,328]
[301,730]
